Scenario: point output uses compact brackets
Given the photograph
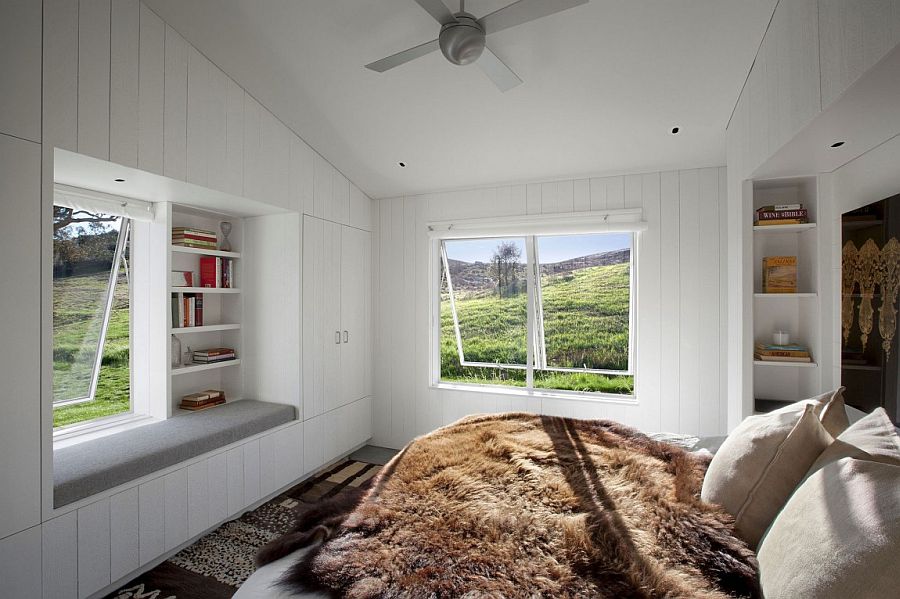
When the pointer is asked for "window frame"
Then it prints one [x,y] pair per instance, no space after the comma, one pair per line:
[614,221]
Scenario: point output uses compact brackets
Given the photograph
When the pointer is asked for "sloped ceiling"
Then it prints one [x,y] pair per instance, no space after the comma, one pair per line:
[604,85]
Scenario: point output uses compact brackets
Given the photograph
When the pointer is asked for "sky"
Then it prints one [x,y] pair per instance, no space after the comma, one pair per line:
[551,248]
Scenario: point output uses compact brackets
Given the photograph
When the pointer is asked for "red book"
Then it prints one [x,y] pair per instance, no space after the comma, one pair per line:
[208,271]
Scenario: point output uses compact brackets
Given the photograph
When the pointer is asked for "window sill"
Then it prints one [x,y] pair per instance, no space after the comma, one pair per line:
[537,393]
[79,433]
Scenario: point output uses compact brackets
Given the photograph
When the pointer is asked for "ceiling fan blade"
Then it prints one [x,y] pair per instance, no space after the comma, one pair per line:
[497,71]
[395,60]
[524,11]
[438,10]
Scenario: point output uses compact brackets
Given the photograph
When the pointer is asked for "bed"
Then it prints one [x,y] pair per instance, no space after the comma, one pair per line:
[520,505]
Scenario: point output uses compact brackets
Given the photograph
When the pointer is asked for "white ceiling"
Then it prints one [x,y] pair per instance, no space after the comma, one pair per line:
[604,84]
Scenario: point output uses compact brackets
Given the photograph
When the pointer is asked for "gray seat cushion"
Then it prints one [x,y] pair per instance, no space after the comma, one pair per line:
[87,468]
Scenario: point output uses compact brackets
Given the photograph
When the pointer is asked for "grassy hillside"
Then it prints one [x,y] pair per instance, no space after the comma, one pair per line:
[71,362]
[585,324]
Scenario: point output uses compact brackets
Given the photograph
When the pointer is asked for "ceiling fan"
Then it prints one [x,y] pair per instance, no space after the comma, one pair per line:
[462,37]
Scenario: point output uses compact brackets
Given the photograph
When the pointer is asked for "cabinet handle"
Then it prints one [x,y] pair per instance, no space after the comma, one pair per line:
[337,337]
[346,337]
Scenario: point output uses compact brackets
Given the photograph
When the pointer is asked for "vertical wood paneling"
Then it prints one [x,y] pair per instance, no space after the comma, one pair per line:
[565,200]
[302,176]
[234,138]
[394,299]
[407,305]
[151,95]
[59,556]
[598,194]
[217,129]
[670,307]
[176,508]
[582,195]
[269,463]
[176,100]
[93,547]
[198,498]
[313,444]
[93,78]
[124,70]
[533,198]
[234,459]
[633,193]
[708,292]
[124,549]
[20,69]
[252,184]
[615,193]
[383,403]
[324,186]
[60,74]
[689,277]
[649,305]
[549,197]
[198,104]
[217,471]
[251,472]
[313,317]
[20,564]
[151,519]
[341,198]
[331,315]
[723,300]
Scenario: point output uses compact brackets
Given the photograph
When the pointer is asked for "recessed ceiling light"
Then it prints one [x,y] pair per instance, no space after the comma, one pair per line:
[119,180]
[402,164]
[837,144]
[675,130]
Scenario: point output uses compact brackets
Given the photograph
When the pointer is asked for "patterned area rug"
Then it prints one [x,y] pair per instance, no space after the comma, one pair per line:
[218,563]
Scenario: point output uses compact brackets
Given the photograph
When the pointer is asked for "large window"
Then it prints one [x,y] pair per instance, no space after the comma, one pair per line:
[91,315]
[574,294]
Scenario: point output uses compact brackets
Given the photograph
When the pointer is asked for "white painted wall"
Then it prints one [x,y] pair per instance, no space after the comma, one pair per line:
[680,302]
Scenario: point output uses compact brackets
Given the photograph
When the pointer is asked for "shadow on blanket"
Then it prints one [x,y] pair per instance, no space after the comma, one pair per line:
[518,505]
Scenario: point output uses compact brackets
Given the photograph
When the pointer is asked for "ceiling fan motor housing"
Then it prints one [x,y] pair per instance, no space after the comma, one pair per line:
[462,40]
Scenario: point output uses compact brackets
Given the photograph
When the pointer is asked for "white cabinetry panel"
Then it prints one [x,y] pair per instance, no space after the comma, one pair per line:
[269,465]
[218,488]
[175,132]
[235,477]
[151,96]
[176,511]
[93,78]
[331,311]
[324,186]
[198,498]
[355,286]
[217,129]
[20,69]
[123,81]
[313,319]
[197,106]
[854,35]
[252,176]
[124,548]
[59,556]
[340,198]
[20,564]
[93,547]
[234,138]
[313,444]
[251,472]
[290,454]
[151,519]
[302,176]
[360,209]
[60,73]
[20,318]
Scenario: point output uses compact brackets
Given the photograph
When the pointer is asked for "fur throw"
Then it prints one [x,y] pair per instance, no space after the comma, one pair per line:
[518,505]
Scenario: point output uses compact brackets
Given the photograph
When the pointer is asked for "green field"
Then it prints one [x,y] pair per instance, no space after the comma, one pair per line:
[585,324]
[75,317]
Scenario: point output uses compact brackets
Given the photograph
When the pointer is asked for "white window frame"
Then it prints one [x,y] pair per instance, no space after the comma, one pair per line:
[529,227]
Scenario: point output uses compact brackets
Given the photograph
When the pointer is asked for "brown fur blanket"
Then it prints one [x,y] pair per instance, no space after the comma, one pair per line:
[518,505]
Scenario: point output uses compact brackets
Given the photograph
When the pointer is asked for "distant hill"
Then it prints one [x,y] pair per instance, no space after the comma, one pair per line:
[474,276]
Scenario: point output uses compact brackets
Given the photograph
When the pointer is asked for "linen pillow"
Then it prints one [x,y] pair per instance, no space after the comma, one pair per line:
[761,463]
[871,438]
[837,537]
[834,413]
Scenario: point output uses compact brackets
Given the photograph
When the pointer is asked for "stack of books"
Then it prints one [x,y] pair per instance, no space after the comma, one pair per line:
[781,214]
[779,274]
[216,272]
[187,311]
[202,400]
[194,238]
[213,355]
[781,353]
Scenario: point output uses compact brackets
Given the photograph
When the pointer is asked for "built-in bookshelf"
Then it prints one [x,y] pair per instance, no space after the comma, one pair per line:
[221,312]
[775,382]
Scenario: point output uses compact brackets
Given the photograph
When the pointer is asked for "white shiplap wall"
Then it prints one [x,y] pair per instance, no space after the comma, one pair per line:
[681,302]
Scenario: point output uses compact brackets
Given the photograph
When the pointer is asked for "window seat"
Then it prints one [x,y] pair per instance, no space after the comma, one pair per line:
[87,468]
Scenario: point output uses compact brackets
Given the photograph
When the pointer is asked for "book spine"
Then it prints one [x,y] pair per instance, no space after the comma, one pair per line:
[208,271]
[198,309]
[783,214]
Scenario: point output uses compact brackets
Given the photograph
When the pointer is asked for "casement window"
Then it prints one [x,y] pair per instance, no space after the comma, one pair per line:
[92,316]
[548,311]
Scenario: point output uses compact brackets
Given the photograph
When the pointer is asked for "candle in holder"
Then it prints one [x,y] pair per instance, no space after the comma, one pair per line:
[781,337]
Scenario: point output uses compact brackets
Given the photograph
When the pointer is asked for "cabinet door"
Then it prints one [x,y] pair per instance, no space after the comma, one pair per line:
[20,69]
[333,369]
[354,292]
[313,317]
